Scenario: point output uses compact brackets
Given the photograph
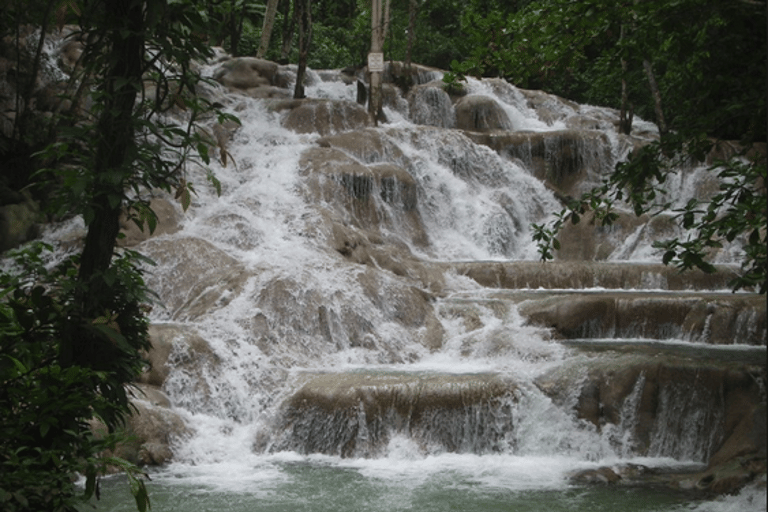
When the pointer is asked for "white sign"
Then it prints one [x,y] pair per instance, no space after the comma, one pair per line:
[376,62]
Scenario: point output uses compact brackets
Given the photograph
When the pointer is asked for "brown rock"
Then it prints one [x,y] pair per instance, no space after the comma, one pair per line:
[186,345]
[197,277]
[325,117]
[481,114]
[430,105]
[245,73]
[168,222]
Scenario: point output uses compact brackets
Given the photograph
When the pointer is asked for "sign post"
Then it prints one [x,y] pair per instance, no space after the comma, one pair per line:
[375,62]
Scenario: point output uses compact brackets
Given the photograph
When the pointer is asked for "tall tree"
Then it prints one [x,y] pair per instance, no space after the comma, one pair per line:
[76,336]
[412,11]
[266,30]
[303,9]
[289,25]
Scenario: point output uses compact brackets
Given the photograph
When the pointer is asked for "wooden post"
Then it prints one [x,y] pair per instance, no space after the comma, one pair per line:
[374,59]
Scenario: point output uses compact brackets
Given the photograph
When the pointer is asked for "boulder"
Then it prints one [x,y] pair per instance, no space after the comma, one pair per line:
[430,105]
[18,223]
[243,73]
[324,117]
[151,430]
[355,414]
[168,222]
[196,278]
[478,113]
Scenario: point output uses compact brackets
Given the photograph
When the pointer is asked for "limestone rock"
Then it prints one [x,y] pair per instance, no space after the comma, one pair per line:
[568,161]
[372,198]
[603,475]
[585,274]
[182,362]
[18,223]
[430,105]
[656,400]
[478,113]
[174,346]
[197,277]
[69,54]
[715,319]
[396,72]
[246,73]
[367,145]
[325,117]
[590,241]
[168,222]
[354,414]
[151,430]
[548,107]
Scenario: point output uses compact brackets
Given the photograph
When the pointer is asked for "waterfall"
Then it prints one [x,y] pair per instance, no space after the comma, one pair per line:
[341,308]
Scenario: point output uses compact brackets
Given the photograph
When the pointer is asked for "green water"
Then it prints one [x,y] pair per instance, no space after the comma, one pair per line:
[318,487]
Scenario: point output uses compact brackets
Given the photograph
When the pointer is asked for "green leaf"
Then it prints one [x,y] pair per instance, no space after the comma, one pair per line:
[21,499]
[186,199]
[142,498]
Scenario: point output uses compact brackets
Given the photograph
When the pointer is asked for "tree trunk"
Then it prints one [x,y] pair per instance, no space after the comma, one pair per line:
[411,35]
[656,97]
[114,148]
[385,20]
[626,114]
[236,29]
[24,97]
[289,22]
[266,30]
[304,16]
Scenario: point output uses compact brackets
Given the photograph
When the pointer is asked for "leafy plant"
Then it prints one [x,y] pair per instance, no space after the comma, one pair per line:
[736,213]
[453,79]
[46,402]
[696,67]
[72,336]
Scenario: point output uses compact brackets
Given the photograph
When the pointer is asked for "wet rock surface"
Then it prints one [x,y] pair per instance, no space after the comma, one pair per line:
[354,414]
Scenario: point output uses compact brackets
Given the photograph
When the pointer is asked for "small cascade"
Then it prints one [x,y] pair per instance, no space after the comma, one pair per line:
[431,106]
[358,414]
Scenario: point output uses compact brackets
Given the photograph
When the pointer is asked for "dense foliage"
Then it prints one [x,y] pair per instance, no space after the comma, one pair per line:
[695,67]
[72,336]
[47,402]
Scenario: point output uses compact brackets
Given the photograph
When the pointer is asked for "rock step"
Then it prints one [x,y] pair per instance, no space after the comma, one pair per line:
[707,409]
[355,414]
[706,317]
[589,274]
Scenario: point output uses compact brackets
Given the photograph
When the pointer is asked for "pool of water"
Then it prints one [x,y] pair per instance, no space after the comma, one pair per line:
[290,482]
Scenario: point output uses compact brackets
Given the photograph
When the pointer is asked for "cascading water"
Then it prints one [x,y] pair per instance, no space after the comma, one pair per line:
[323,358]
